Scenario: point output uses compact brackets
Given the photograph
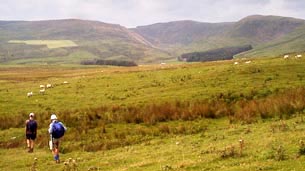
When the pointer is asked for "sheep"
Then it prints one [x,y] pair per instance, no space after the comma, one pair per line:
[42,91]
[49,85]
[41,86]
[248,62]
[286,56]
[65,82]
[298,56]
[29,94]
[235,63]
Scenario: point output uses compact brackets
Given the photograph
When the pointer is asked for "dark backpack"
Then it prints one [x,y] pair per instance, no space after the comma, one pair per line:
[57,130]
[31,127]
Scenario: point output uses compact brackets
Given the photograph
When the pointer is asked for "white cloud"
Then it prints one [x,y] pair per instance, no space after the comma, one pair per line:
[132,13]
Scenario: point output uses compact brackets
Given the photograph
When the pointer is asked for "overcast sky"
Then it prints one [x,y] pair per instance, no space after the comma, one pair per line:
[131,13]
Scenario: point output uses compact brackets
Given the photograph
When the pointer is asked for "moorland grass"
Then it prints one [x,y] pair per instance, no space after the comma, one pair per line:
[160,117]
[268,145]
[94,87]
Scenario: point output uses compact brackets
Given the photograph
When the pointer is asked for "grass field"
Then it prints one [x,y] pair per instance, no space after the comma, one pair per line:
[96,86]
[269,145]
[143,118]
[51,44]
[73,58]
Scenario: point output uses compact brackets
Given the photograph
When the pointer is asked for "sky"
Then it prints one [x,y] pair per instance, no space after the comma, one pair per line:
[132,13]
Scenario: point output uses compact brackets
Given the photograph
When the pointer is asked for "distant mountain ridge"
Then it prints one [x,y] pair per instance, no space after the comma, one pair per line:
[182,32]
[74,29]
[265,28]
[268,35]
[190,36]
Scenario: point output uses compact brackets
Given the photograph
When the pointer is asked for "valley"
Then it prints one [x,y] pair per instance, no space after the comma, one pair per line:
[240,108]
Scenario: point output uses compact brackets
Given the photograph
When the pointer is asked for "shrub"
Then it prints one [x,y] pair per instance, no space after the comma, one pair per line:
[280,153]
[229,151]
[301,148]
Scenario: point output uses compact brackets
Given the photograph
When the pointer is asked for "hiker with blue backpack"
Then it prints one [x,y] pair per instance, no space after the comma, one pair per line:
[56,130]
[30,132]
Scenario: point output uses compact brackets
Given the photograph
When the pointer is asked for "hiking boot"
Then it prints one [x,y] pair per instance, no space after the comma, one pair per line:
[30,150]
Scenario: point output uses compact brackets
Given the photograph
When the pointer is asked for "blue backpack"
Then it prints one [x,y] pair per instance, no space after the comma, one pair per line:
[31,127]
[58,130]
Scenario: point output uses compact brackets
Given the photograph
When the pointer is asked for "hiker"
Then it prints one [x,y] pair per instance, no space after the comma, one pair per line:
[30,132]
[56,130]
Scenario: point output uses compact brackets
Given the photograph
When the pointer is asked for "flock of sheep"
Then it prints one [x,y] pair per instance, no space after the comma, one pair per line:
[43,89]
[285,57]
[247,62]
[296,56]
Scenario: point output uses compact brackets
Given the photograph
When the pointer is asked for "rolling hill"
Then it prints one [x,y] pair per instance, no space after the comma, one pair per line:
[94,40]
[181,32]
[33,42]
[259,31]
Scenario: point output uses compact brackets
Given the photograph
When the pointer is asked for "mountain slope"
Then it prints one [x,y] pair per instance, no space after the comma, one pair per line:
[189,36]
[181,32]
[73,29]
[268,35]
[293,42]
[264,28]
[96,39]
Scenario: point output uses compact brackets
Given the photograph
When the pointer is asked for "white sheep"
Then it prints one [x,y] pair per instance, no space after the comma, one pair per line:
[42,91]
[298,56]
[286,56]
[235,63]
[41,86]
[65,82]
[29,94]
[248,62]
[49,85]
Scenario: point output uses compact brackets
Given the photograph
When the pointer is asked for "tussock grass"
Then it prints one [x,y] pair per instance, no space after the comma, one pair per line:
[216,147]
[179,117]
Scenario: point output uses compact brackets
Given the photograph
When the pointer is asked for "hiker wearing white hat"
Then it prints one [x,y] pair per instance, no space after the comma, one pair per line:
[30,132]
[56,130]
[53,117]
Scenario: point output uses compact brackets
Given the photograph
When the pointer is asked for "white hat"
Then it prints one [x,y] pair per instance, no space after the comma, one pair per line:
[31,115]
[53,117]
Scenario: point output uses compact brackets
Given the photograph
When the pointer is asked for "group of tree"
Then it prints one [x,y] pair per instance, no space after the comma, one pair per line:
[109,62]
[214,55]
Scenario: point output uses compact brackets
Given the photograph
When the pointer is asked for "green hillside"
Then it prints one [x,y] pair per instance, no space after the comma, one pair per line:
[262,32]
[156,43]
[98,40]
[159,117]
[288,44]
[51,44]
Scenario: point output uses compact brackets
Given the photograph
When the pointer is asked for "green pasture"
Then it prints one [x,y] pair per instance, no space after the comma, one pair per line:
[268,145]
[199,144]
[51,44]
[72,59]
[97,86]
